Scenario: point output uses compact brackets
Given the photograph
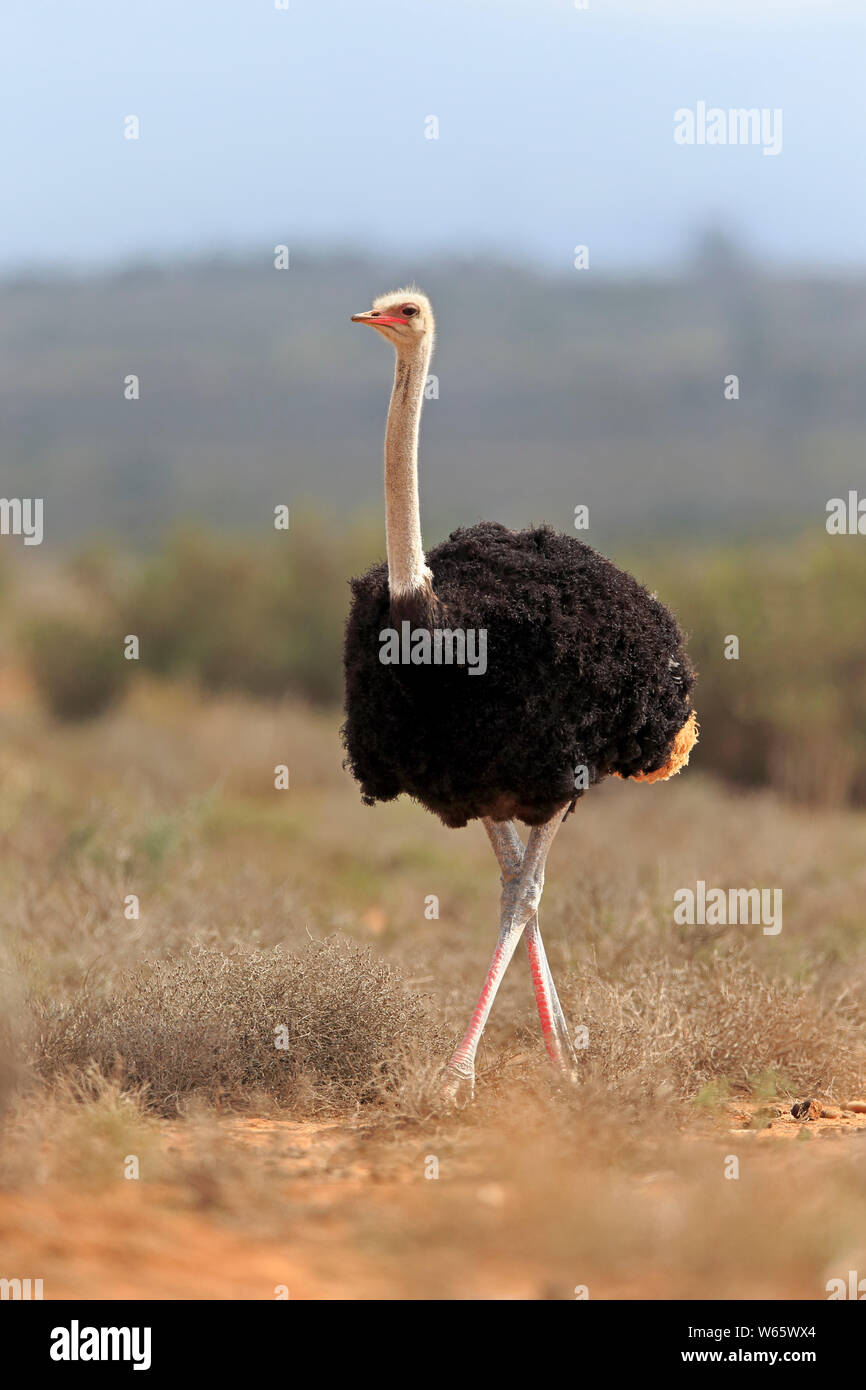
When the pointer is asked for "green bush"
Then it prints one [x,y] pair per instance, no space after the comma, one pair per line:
[240,614]
[266,617]
[79,669]
[790,710]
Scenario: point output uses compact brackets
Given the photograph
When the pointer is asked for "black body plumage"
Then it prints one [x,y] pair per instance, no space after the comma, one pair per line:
[585,669]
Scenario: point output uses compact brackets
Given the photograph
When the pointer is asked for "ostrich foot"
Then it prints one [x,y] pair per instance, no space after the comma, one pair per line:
[564,1079]
[458,1085]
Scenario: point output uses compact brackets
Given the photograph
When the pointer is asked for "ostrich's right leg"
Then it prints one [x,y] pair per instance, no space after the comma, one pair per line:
[508,848]
[460,1072]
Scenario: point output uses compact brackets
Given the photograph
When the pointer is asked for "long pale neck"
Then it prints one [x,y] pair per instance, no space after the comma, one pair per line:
[407,568]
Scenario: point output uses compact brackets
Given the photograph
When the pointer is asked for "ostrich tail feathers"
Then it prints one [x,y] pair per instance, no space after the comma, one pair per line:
[679,755]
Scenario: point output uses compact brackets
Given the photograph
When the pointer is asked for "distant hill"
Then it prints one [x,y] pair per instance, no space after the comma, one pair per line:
[255,389]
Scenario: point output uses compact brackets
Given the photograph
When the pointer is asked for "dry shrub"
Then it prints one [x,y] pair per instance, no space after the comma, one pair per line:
[680,1026]
[204,1025]
[13,1068]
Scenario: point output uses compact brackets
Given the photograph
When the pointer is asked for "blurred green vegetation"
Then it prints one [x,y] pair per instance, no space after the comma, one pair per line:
[554,391]
[78,667]
[226,612]
[265,617]
[790,710]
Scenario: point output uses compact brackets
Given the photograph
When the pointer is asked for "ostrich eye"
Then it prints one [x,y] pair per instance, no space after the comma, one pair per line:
[408,310]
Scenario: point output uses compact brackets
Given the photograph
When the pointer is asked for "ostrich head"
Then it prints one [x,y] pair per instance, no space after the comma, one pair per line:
[404,317]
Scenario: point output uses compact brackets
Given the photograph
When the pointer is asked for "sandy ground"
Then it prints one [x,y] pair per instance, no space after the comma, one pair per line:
[776,1121]
[622,1187]
[357,1221]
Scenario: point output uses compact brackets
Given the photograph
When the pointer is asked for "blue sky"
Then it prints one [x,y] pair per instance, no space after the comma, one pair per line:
[306,126]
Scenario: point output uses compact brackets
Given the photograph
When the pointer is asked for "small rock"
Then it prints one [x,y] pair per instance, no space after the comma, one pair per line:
[807,1109]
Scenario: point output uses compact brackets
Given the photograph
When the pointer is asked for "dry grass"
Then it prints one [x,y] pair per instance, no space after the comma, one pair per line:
[204,1026]
[326,1030]
[260,908]
[682,1026]
[173,799]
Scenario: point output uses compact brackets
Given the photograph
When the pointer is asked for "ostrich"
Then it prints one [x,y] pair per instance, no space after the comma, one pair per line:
[586,677]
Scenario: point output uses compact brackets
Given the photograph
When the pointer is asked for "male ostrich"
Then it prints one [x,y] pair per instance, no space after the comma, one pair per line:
[586,677]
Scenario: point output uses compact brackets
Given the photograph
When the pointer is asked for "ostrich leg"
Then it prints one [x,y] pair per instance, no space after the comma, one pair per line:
[508,848]
[515,912]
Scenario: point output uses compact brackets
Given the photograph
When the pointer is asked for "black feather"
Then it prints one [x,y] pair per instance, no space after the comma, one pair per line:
[584,668]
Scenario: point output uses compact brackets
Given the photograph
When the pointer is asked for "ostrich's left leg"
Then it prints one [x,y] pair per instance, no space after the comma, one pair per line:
[515,913]
[508,848]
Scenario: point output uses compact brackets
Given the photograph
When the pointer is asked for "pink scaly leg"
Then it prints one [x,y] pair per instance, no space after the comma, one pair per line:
[518,906]
[554,1028]
[508,849]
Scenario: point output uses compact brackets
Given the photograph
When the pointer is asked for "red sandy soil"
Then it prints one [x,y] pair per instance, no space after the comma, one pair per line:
[169,1240]
[142,1240]
[774,1120]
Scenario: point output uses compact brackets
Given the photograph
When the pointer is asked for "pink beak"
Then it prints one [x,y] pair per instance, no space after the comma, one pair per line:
[374,318]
